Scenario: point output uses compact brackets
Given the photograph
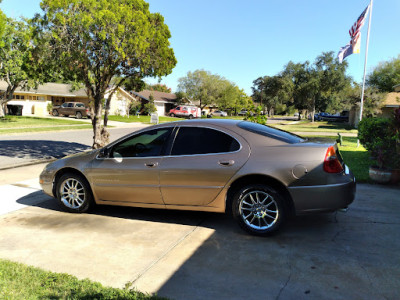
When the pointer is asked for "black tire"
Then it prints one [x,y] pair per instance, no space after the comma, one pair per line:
[78,115]
[172,115]
[258,209]
[190,116]
[74,193]
[55,112]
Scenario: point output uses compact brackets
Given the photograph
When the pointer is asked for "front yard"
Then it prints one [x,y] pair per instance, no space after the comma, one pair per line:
[17,124]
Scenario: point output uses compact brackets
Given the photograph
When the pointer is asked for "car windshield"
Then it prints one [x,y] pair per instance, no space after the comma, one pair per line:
[270,132]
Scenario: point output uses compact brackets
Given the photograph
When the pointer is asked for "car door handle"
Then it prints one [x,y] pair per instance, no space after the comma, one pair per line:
[226,163]
[151,165]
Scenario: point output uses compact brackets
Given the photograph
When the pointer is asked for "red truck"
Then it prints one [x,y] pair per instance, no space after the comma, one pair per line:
[185,111]
[76,109]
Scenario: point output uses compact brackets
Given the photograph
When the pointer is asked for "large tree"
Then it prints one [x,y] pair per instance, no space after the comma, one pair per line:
[386,75]
[316,86]
[16,62]
[270,91]
[94,41]
[202,86]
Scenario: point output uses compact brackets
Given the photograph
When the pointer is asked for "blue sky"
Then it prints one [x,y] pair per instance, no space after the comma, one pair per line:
[243,40]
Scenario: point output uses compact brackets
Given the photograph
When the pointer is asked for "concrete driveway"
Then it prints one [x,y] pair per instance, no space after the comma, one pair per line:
[190,255]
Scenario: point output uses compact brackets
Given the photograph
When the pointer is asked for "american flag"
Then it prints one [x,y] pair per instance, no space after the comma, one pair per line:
[355,37]
[355,31]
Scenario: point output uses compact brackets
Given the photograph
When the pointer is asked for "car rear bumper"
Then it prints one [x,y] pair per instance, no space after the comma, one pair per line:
[324,198]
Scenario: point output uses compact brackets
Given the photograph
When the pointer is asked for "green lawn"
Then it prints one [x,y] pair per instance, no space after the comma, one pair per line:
[18,124]
[357,159]
[18,281]
[307,126]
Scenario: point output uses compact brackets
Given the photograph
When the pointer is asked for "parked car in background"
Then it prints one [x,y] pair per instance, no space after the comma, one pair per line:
[219,113]
[185,111]
[76,109]
[243,112]
[319,116]
[342,117]
[260,174]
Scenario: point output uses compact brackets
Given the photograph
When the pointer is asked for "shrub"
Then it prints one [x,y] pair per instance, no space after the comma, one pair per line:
[378,136]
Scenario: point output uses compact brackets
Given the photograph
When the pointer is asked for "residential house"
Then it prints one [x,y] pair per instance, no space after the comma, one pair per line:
[391,103]
[34,102]
[163,102]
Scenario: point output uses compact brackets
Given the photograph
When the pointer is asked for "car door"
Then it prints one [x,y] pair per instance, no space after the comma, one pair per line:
[202,161]
[130,172]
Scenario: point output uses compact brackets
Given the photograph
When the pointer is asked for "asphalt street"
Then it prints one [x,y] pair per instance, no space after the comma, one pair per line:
[192,255]
[20,149]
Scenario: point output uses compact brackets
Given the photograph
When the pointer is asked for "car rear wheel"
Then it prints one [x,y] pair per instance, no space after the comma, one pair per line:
[190,116]
[73,193]
[258,209]
[55,112]
[78,115]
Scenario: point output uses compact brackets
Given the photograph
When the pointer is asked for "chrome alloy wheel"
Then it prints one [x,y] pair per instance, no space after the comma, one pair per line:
[258,210]
[72,193]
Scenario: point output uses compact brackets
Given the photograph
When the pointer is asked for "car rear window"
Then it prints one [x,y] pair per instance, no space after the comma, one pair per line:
[270,132]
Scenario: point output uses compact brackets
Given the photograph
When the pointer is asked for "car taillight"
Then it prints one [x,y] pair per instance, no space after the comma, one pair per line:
[331,161]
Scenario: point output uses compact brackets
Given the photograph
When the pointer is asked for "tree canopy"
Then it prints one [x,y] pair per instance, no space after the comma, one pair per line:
[17,65]
[307,86]
[386,75]
[93,41]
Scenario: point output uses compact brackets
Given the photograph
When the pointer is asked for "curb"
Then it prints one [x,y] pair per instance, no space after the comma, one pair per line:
[31,163]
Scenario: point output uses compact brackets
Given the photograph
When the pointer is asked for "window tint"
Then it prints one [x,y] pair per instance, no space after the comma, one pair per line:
[196,140]
[80,105]
[64,105]
[270,132]
[70,105]
[149,143]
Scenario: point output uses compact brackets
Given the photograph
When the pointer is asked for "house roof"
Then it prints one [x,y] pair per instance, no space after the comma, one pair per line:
[158,96]
[392,99]
[53,89]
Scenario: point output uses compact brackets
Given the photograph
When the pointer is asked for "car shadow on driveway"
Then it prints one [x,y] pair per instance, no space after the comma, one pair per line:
[219,222]
[39,149]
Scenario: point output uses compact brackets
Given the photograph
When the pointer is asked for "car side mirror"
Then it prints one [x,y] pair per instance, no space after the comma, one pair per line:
[104,153]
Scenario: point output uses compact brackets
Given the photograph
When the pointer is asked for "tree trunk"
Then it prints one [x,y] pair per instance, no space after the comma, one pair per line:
[100,134]
[2,106]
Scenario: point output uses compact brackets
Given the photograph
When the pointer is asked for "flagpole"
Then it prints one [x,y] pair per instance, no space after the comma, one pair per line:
[365,63]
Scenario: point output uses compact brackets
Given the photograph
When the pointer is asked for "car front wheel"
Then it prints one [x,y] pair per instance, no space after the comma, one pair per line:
[73,193]
[258,209]
[172,115]
[55,112]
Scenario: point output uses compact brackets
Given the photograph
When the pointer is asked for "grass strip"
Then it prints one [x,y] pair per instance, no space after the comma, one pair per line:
[307,126]
[18,281]
[18,121]
[42,129]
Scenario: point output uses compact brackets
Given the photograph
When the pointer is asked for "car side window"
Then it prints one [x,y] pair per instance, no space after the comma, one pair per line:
[80,105]
[198,140]
[70,105]
[145,144]
[64,105]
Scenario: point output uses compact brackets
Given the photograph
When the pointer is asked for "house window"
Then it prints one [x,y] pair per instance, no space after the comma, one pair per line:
[40,97]
[22,97]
